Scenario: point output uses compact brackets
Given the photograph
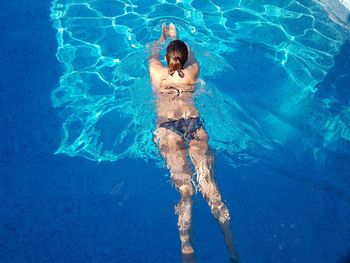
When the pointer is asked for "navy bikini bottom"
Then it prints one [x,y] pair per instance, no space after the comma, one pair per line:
[186,128]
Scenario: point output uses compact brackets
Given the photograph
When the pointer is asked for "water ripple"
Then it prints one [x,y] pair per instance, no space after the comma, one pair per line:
[104,94]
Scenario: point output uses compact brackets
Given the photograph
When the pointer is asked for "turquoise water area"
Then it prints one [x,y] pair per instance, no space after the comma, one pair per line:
[274,95]
[260,62]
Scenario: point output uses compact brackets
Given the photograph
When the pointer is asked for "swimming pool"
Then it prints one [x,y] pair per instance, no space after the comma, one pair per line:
[275,100]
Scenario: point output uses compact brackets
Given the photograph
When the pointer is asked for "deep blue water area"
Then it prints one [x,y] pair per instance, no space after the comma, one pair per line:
[289,196]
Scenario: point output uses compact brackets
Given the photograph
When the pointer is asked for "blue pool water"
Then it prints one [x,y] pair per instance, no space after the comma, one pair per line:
[81,180]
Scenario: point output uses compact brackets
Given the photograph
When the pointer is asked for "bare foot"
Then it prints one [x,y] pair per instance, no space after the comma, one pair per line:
[228,237]
[172,31]
[187,249]
[187,253]
[233,255]
[188,258]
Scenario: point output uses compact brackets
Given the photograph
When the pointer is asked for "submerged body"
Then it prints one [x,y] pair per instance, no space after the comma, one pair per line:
[179,127]
[175,109]
[174,94]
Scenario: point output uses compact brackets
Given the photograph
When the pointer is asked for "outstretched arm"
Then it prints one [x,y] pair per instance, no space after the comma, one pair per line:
[155,48]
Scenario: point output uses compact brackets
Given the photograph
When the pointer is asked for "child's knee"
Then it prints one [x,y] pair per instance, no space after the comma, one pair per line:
[183,183]
[186,190]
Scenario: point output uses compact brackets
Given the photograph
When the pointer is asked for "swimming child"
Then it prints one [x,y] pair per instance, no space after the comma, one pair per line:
[179,127]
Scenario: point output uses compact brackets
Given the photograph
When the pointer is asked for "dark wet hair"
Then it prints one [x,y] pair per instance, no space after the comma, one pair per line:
[176,57]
